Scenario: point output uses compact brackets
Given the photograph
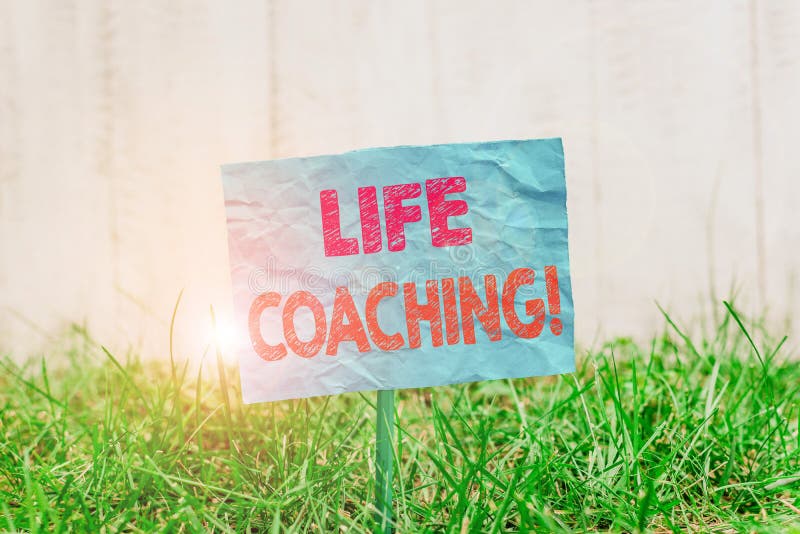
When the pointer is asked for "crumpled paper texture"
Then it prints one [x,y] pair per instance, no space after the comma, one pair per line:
[516,193]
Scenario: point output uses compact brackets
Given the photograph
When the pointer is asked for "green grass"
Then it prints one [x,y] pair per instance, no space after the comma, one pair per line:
[678,435]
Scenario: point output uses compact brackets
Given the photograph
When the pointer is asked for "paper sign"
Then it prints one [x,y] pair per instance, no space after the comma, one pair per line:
[400,267]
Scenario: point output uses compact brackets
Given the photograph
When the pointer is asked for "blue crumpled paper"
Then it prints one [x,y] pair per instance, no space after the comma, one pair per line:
[516,193]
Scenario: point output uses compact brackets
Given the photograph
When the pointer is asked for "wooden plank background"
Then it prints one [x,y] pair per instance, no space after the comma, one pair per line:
[679,120]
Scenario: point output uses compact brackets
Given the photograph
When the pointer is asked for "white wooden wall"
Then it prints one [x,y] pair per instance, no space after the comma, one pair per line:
[681,122]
